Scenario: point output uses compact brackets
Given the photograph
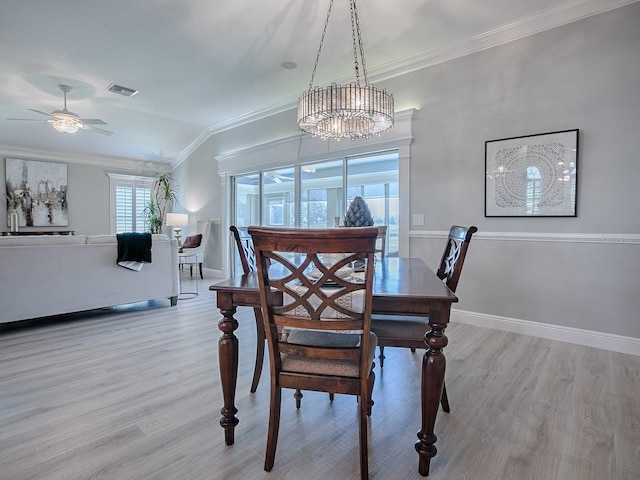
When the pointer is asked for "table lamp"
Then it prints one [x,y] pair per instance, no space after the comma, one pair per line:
[177,220]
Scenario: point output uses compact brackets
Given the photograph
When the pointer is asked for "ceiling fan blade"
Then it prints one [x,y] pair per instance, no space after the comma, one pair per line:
[93,121]
[38,111]
[30,119]
[97,130]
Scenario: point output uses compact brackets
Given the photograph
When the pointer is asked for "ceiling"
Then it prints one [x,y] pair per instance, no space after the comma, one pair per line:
[203,66]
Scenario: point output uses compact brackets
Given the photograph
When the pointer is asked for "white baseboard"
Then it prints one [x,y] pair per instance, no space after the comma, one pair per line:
[606,341]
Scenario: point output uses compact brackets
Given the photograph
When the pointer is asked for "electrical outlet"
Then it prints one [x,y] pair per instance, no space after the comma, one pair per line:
[418,219]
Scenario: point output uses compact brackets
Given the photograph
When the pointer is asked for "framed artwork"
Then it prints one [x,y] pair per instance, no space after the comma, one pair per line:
[38,191]
[532,175]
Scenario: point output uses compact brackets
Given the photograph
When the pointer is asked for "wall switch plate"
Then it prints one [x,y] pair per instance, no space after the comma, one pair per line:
[418,219]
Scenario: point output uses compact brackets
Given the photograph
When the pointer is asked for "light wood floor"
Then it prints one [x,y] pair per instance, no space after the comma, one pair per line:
[134,393]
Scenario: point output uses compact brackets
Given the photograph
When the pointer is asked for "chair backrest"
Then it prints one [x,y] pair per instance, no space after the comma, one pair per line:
[244,245]
[382,237]
[307,282]
[454,254]
[203,227]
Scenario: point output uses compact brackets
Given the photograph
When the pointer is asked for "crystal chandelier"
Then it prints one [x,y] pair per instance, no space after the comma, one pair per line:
[345,111]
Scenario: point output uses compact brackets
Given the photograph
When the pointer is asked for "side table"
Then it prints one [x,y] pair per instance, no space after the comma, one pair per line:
[187,260]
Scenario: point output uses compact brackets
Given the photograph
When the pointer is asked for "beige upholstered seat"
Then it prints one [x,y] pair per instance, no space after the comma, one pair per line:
[317,317]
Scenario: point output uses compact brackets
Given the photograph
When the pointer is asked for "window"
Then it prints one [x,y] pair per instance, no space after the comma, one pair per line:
[533,189]
[129,197]
[316,195]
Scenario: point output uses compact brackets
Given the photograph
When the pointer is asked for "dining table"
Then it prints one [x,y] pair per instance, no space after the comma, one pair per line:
[402,286]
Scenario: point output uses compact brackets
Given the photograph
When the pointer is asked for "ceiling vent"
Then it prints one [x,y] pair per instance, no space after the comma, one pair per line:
[127,92]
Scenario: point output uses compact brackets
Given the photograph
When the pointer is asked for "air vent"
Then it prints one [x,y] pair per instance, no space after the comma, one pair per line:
[127,92]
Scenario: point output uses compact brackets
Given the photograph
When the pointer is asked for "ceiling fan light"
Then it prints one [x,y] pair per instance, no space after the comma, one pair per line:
[65,123]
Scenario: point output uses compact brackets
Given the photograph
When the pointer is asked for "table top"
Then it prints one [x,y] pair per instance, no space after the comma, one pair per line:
[400,286]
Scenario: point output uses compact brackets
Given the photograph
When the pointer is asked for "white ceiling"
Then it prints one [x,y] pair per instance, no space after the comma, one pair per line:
[205,65]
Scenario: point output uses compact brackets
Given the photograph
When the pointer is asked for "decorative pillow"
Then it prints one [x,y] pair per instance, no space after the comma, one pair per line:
[192,241]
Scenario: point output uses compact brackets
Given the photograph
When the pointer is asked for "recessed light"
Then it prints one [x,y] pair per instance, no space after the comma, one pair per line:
[289,65]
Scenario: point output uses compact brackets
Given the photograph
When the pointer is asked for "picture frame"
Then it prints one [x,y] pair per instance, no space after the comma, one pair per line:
[532,175]
[41,191]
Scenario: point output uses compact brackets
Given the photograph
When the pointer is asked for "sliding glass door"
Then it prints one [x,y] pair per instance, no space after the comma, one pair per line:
[317,195]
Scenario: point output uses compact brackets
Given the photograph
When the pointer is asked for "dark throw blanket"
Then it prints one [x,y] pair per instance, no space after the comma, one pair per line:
[134,249]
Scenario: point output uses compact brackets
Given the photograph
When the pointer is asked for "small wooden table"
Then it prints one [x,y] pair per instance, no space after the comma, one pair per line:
[401,286]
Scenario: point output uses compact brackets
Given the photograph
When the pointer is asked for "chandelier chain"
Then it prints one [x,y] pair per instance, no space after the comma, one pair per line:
[353,37]
[356,33]
[324,32]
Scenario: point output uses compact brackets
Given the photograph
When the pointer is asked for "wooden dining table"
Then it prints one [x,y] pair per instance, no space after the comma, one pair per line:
[402,286]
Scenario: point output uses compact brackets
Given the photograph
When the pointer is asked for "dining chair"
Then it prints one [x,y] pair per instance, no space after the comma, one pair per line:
[317,316]
[247,256]
[407,331]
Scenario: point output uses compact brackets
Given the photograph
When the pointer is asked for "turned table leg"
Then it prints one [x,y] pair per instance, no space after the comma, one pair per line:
[228,359]
[433,367]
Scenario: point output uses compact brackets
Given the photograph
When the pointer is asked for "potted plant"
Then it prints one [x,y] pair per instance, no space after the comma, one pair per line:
[163,195]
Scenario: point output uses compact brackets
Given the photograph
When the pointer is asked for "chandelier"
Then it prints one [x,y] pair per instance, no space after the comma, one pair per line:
[353,110]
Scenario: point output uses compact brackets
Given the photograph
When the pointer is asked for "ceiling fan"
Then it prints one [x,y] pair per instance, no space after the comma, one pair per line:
[65,121]
[278,177]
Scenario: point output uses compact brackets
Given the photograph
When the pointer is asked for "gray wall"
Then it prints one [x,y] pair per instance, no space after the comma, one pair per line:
[584,75]
[88,197]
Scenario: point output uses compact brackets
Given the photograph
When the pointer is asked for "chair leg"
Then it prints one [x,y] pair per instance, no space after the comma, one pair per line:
[201,276]
[364,449]
[257,370]
[298,396]
[331,395]
[381,356]
[370,382]
[274,426]
[444,400]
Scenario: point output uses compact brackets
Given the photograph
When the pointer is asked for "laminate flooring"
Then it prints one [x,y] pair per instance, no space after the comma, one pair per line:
[134,393]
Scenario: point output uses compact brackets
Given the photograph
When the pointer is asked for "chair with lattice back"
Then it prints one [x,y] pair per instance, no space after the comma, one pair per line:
[407,331]
[247,255]
[317,315]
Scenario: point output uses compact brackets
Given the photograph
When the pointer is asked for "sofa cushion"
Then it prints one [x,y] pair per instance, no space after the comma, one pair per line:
[99,239]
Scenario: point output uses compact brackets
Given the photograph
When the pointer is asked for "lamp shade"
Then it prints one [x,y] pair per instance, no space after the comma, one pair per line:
[177,219]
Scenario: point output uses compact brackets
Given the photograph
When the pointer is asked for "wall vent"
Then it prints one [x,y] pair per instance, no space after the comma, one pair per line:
[127,92]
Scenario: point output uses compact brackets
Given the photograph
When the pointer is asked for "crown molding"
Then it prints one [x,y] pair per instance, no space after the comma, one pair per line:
[300,149]
[546,19]
[540,21]
[111,163]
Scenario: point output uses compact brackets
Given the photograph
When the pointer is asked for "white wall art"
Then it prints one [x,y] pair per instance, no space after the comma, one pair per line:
[39,190]
[533,175]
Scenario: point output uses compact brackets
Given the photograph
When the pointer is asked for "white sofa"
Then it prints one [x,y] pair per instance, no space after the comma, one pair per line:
[48,275]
